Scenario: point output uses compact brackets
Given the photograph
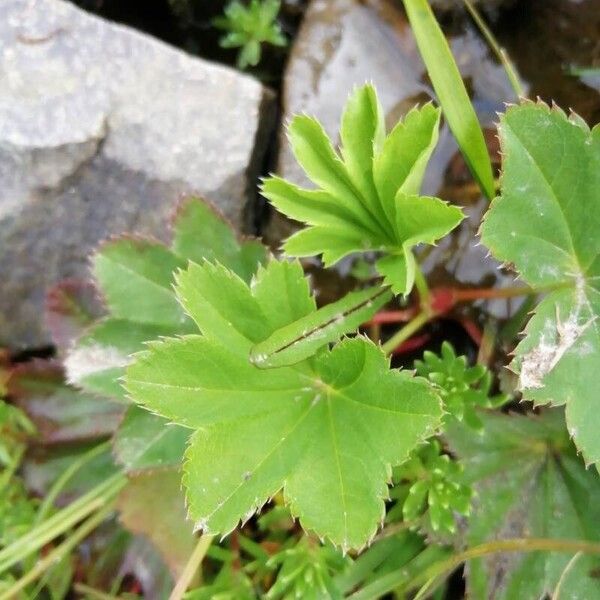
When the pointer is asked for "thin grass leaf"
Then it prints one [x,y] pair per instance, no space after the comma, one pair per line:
[451,92]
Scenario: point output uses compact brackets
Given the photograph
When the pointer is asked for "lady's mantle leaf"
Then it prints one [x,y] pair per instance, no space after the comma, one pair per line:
[546,222]
[130,263]
[326,430]
[145,442]
[366,199]
[529,483]
[152,505]
[136,278]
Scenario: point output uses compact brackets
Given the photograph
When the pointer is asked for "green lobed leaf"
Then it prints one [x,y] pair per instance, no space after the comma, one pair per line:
[153,505]
[97,361]
[302,338]
[366,199]
[451,91]
[317,157]
[136,277]
[529,483]
[60,413]
[326,431]
[362,133]
[200,233]
[147,442]
[400,165]
[546,223]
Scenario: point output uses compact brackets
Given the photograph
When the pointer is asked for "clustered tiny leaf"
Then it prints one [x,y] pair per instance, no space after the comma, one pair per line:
[463,389]
[250,26]
[434,489]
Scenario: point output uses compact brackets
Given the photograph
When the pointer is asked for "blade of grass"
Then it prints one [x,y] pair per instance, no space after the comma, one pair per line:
[91,593]
[500,53]
[451,92]
[59,552]
[48,503]
[191,567]
[399,578]
[62,521]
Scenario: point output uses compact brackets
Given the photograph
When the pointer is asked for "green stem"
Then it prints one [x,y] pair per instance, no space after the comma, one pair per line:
[445,567]
[62,521]
[464,295]
[60,483]
[393,529]
[558,590]
[501,54]
[396,581]
[422,287]
[407,331]
[10,470]
[94,594]
[361,568]
[470,294]
[58,553]
[191,567]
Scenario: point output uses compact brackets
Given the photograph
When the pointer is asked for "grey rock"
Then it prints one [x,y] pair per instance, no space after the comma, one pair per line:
[102,130]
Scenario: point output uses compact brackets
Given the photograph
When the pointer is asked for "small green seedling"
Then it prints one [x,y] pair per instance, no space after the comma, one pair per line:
[248,27]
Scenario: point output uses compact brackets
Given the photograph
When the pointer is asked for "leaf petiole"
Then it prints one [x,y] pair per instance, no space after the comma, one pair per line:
[466,295]
[443,567]
[422,287]
[407,331]
[500,52]
[191,567]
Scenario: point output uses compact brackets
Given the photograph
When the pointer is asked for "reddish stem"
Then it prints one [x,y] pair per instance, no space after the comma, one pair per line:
[392,316]
[472,329]
[411,344]
[236,564]
[440,301]
[489,293]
